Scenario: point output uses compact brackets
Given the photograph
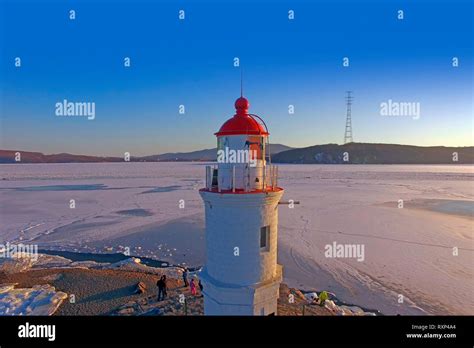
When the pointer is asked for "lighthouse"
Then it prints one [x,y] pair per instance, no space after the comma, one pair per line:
[241,275]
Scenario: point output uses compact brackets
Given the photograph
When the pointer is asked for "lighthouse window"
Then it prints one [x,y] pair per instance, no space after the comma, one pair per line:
[265,238]
[221,143]
[255,146]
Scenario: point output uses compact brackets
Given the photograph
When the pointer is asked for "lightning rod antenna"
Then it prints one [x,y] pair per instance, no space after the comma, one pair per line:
[241,84]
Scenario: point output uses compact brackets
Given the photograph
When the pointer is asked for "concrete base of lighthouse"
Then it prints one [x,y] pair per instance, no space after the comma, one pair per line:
[226,299]
[240,276]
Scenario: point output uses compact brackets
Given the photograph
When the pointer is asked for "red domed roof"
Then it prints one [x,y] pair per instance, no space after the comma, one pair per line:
[242,122]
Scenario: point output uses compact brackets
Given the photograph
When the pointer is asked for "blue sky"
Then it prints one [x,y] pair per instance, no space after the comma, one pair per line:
[190,62]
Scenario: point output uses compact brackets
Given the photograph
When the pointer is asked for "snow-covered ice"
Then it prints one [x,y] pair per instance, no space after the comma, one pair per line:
[409,265]
[134,264]
[21,262]
[38,300]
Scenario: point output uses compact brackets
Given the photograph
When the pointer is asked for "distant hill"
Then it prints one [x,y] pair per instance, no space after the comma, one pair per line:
[8,156]
[200,155]
[204,155]
[365,153]
[359,153]
[277,148]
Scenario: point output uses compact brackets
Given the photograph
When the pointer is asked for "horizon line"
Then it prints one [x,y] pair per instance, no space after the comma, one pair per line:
[203,149]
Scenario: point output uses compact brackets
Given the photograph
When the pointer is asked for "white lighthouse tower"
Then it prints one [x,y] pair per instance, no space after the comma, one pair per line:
[241,275]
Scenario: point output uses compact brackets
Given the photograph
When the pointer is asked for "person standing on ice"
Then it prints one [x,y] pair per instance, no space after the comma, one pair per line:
[200,287]
[185,277]
[161,288]
[193,287]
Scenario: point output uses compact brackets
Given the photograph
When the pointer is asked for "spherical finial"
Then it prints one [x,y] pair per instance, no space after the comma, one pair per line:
[242,106]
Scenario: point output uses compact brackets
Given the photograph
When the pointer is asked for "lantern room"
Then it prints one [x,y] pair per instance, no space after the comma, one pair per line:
[242,150]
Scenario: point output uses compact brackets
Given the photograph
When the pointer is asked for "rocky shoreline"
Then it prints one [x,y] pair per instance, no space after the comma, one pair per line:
[54,285]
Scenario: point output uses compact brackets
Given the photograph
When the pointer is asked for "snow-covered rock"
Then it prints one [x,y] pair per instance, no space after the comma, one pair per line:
[346,310]
[17,263]
[21,262]
[38,300]
[311,296]
[134,264]
[51,261]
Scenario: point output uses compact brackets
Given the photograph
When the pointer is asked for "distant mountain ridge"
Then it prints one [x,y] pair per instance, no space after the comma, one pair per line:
[352,153]
[368,153]
[8,156]
[204,155]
